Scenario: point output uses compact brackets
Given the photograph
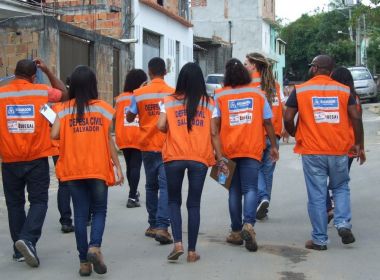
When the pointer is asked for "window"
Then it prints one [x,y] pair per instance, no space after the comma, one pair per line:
[160,2]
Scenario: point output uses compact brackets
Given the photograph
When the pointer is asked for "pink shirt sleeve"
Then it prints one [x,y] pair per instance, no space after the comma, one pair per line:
[54,95]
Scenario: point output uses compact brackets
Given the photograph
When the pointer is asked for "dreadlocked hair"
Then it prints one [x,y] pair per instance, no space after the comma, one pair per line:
[268,83]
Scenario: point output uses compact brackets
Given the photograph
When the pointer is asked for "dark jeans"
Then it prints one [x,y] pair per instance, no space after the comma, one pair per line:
[244,186]
[329,198]
[133,161]
[35,175]
[63,201]
[196,174]
[156,190]
[84,193]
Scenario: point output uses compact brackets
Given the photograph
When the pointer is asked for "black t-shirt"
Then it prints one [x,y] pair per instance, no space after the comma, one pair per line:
[293,103]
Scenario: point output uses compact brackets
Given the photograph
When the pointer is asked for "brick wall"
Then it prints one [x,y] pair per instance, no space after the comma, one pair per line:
[16,46]
[196,3]
[103,16]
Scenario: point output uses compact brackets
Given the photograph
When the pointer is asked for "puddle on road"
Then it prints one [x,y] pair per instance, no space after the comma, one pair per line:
[288,275]
[295,255]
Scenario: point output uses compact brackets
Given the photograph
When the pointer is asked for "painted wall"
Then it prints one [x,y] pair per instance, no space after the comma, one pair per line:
[147,18]
[247,24]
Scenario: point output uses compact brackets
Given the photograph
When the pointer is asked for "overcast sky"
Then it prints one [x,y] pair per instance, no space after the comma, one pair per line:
[293,9]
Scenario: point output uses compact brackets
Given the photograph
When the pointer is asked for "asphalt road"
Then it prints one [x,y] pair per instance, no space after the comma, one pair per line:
[281,255]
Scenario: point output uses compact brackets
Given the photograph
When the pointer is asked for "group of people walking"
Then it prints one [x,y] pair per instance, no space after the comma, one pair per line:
[170,131]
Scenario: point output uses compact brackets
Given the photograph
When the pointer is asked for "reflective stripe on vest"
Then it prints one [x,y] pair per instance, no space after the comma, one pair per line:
[92,109]
[148,96]
[123,98]
[322,88]
[175,103]
[24,93]
[240,90]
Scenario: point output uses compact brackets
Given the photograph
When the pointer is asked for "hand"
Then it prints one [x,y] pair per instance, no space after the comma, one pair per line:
[41,64]
[274,155]
[355,151]
[120,176]
[362,157]
[285,136]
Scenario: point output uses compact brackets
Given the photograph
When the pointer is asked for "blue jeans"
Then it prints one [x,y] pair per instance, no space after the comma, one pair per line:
[84,193]
[266,170]
[133,161]
[318,169]
[196,174]
[243,185]
[156,190]
[63,201]
[35,176]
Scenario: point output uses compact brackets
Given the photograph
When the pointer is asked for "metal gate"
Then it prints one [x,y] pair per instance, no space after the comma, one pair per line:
[74,51]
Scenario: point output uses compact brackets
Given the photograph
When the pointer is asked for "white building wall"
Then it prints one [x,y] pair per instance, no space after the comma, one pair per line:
[245,16]
[266,38]
[170,30]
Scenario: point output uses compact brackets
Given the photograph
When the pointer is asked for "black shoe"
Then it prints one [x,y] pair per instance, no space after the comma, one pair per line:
[346,235]
[132,203]
[17,257]
[28,251]
[262,209]
[311,245]
[67,228]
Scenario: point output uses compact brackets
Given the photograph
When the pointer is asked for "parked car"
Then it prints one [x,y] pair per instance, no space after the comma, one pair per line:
[213,82]
[365,85]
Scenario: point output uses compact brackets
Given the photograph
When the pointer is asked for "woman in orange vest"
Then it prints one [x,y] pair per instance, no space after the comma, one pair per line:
[344,76]
[83,127]
[243,113]
[186,118]
[262,76]
[127,134]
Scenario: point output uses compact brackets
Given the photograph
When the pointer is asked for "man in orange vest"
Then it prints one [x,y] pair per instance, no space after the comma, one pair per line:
[145,103]
[325,108]
[24,148]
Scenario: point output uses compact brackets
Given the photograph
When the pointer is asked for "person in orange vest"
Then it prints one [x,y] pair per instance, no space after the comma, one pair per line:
[24,148]
[128,134]
[186,119]
[344,76]
[260,69]
[86,147]
[243,114]
[145,104]
[325,109]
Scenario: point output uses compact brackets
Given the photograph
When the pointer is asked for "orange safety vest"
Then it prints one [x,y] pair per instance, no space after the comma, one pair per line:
[181,144]
[242,129]
[84,149]
[127,134]
[24,131]
[323,123]
[147,99]
[276,105]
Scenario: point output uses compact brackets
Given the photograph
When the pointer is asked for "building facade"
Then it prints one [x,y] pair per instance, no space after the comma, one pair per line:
[162,28]
[249,26]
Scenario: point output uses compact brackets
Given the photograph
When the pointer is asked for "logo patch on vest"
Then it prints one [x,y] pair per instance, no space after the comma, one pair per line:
[126,123]
[326,103]
[325,109]
[240,111]
[20,111]
[20,126]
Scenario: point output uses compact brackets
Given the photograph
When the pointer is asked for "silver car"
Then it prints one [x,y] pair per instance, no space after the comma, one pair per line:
[365,86]
[213,82]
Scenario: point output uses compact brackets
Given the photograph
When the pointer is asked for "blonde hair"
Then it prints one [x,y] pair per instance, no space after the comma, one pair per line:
[268,82]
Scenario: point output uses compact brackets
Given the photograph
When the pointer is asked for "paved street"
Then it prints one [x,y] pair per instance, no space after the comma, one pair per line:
[281,255]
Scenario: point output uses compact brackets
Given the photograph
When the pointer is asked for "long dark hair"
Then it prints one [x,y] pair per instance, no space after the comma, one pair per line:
[134,80]
[344,76]
[268,82]
[83,88]
[236,74]
[191,88]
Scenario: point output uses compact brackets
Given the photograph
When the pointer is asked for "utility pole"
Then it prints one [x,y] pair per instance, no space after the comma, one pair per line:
[358,44]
